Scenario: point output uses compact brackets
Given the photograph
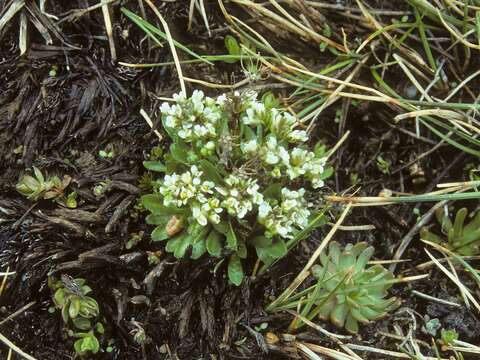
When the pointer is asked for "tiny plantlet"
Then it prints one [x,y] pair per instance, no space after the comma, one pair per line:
[238,174]
[79,312]
[348,291]
[461,238]
[36,187]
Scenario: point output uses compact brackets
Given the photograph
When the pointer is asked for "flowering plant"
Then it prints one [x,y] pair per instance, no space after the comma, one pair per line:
[236,174]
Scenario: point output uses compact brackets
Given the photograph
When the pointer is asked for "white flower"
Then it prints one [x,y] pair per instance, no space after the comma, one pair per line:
[200,130]
[179,97]
[273,153]
[221,100]
[170,121]
[208,211]
[264,209]
[249,146]
[165,108]
[271,158]
[199,216]
[298,136]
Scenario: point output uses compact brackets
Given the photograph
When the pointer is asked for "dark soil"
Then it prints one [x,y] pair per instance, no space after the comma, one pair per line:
[60,123]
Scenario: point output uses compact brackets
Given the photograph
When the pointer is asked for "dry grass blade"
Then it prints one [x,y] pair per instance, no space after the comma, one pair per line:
[22,33]
[203,12]
[15,348]
[150,123]
[318,327]
[171,44]
[432,298]
[463,346]
[15,7]
[109,29]
[4,280]
[18,312]
[334,96]
[389,353]
[288,25]
[463,289]
[312,350]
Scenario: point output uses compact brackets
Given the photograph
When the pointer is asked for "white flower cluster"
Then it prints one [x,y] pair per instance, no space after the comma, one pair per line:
[240,195]
[294,163]
[189,188]
[280,124]
[284,218]
[274,151]
[193,118]
[278,144]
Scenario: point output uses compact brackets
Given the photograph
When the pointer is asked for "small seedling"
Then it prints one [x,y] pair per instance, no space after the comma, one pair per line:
[99,189]
[461,238]
[448,336]
[383,165]
[71,200]
[36,187]
[79,312]
[135,238]
[106,154]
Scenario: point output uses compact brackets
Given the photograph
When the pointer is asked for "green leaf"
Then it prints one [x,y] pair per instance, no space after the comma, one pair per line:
[232,242]
[233,48]
[87,344]
[198,249]
[78,346]
[86,289]
[210,171]
[82,323]
[222,227]
[59,297]
[273,191]
[214,243]
[151,31]
[74,307]
[263,255]
[65,313]
[172,244]
[235,270]
[242,250]
[320,149]
[338,315]
[179,153]
[277,249]
[182,246]
[100,328]
[270,101]
[154,203]
[38,175]
[326,173]
[171,133]
[159,233]
[157,219]
[261,241]
[179,244]
[154,166]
